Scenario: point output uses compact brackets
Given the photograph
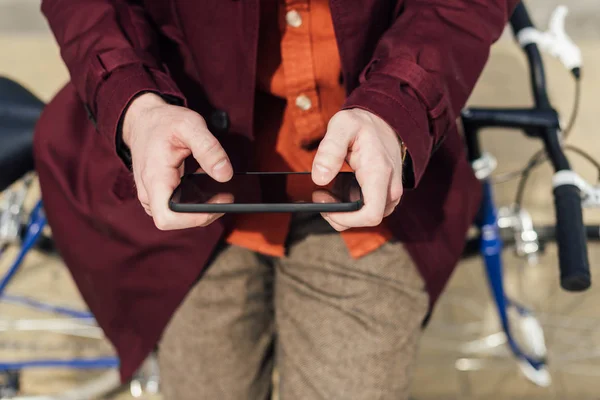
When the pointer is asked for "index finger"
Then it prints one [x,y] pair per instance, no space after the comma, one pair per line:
[221,198]
[323,196]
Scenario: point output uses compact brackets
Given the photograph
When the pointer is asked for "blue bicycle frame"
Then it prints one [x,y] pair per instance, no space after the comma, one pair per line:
[37,222]
[491,247]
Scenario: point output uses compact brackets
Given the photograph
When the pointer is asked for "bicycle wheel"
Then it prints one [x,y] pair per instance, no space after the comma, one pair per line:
[49,344]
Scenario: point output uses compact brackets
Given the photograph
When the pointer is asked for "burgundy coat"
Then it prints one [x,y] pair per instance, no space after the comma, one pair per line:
[413,62]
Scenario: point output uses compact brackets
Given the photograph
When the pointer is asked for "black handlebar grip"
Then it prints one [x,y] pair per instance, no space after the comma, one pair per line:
[520,19]
[571,239]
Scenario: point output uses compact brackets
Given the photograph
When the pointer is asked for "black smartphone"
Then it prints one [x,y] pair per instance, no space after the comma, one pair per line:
[258,192]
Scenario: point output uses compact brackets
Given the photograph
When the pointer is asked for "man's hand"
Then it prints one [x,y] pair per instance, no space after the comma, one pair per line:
[373,151]
[160,137]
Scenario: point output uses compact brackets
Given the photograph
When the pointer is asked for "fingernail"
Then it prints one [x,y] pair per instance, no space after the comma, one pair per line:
[322,173]
[220,167]
[322,168]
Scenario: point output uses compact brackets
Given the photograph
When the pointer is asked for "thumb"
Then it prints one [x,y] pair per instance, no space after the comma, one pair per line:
[207,150]
[333,149]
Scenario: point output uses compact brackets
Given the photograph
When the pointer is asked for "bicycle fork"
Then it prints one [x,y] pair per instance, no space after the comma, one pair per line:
[491,246]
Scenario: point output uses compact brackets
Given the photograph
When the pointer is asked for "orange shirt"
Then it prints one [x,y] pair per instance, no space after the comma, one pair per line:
[298,90]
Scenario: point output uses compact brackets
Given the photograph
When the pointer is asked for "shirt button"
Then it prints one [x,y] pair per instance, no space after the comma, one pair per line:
[293,18]
[303,102]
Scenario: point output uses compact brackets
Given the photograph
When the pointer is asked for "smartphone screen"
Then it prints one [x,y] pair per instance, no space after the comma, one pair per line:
[266,189]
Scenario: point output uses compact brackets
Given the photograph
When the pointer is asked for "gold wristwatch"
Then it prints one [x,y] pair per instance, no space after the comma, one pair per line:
[403,150]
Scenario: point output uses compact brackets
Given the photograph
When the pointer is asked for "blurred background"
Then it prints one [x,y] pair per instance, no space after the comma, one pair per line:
[446,370]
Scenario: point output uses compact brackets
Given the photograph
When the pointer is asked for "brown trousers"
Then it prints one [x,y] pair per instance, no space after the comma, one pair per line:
[332,326]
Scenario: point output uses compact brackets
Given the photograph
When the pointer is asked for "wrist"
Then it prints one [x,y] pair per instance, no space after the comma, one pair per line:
[137,107]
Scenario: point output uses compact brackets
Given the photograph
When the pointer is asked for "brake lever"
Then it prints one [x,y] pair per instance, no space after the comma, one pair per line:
[555,41]
[519,221]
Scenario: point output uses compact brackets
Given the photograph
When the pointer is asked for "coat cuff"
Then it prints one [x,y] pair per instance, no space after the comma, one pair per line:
[405,114]
[119,89]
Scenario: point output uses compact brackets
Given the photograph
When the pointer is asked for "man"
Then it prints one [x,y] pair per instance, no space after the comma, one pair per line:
[305,85]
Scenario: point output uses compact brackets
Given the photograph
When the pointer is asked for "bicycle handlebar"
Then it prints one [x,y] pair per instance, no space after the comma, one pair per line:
[571,239]
[519,21]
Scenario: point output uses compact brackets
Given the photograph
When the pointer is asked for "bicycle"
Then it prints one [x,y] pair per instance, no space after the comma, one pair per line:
[523,330]
[21,109]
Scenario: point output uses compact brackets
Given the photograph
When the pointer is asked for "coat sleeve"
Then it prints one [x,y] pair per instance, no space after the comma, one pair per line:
[109,48]
[425,67]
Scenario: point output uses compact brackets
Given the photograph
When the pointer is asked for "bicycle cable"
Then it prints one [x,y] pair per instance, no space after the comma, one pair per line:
[538,159]
[509,176]
[535,161]
[575,110]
